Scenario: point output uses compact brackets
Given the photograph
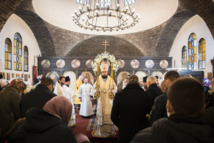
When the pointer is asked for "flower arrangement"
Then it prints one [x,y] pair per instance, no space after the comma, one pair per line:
[109,57]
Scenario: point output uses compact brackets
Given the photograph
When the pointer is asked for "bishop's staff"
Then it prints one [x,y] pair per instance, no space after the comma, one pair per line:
[111,84]
[97,94]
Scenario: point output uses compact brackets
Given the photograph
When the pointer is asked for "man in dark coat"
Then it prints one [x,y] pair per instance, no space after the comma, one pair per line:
[42,127]
[159,108]
[184,124]
[153,89]
[38,97]
[9,105]
[129,110]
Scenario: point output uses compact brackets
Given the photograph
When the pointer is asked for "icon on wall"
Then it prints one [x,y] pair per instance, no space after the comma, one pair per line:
[149,64]
[121,63]
[75,63]
[164,64]
[45,63]
[89,63]
[60,63]
[135,63]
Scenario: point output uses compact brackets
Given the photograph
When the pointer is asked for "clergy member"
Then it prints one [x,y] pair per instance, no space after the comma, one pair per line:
[78,84]
[58,89]
[85,98]
[69,94]
[103,93]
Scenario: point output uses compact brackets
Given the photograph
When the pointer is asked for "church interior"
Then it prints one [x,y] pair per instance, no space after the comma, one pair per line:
[141,37]
[177,34]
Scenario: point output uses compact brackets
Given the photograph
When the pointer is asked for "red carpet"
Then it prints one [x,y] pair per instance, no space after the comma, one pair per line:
[85,127]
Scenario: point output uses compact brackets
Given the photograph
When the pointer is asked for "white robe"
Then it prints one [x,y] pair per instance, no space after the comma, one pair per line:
[105,127]
[58,90]
[86,104]
[69,94]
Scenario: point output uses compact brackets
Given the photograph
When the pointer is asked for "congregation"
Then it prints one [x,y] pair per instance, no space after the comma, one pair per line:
[176,109]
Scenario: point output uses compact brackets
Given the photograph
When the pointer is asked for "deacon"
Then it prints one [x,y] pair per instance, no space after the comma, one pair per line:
[85,98]
[58,90]
[104,90]
[69,94]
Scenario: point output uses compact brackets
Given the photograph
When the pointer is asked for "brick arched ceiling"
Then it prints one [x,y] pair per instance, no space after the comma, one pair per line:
[167,36]
[40,31]
[84,48]
[204,8]
[7,7]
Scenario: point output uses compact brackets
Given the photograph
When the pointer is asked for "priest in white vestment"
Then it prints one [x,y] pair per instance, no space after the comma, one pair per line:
[86,109]
[105,127]
[69,94]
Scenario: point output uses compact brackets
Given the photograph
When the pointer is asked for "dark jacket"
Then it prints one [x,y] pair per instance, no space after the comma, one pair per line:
[208,116]
[154,92]
[129,111]
[9,106]
[210,101]
[36,98]
[42,127]
[159,108]
[176,129]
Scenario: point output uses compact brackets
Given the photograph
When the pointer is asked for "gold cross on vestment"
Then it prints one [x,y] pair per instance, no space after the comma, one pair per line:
[105,43]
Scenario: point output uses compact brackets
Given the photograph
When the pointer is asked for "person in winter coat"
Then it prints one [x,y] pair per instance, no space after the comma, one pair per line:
[184,105]
[38,97]
[129,110]
[9,105]
[49,125]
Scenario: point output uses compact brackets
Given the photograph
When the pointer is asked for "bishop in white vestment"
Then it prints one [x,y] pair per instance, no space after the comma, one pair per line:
[86,109]
[105,127]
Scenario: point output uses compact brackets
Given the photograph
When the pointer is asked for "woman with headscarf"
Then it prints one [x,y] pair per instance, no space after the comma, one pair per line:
[9,105]
[49,125]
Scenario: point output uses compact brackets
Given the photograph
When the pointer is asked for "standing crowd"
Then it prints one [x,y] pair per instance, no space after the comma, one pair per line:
[179,109]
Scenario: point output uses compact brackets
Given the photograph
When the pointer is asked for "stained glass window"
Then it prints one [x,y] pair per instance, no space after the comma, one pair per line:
[192,51]
[8,54]
[184,56]
[17,52]
[129,2]
[83,2]
[26,58]
[202,54]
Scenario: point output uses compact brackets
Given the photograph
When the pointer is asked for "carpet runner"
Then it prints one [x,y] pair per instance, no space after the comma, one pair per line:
[91,133]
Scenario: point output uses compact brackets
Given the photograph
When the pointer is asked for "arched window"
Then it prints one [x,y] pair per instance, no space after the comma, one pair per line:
[184,56]
[129,2]
[83,2]
[192,52]
[8,54]
[17,52]
[26,58]
[202,54]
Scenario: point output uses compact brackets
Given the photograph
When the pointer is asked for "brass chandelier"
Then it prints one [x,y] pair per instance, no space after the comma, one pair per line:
[105,15]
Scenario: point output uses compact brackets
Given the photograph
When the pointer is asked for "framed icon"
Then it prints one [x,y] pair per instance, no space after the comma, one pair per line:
[135,63]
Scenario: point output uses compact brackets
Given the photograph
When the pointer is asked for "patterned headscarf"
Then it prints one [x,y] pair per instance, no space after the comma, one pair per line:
[18,84]
[60,106]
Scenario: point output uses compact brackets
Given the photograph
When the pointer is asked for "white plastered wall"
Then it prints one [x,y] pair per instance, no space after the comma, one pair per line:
[16,24]
[194,25]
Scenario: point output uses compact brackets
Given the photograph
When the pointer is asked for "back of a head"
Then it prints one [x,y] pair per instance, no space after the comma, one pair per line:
[18,84]
[47,81]
[60,106]
[171,75]
[186,96]
[152,79]
[133,79]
